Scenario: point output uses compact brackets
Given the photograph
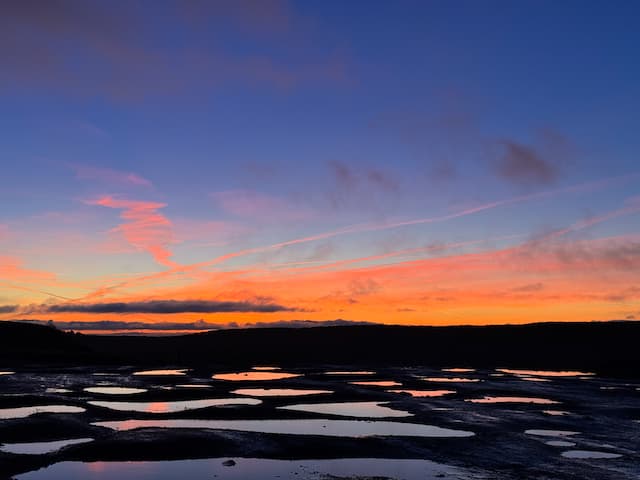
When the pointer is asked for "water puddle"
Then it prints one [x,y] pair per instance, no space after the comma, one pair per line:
[331,428]
[560,443]
[159,373]
[173,407]
[459,370]
[555,413]
[489,399]
[41,448]
[7,373]
[22,412]
[265,368]
[278,392]
[193,385]
[534,379]
[249,469]
[349,409]
[424,393]
[545,373]
[550,433]
[352,372]
[255,376]
[115,390]
[450,379]
[589,454]
[58,390]
[388,383]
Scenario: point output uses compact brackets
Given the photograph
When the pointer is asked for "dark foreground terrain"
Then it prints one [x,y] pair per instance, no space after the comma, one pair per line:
[580,393]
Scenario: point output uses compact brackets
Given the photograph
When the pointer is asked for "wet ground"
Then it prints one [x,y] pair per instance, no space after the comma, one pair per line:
[368,422]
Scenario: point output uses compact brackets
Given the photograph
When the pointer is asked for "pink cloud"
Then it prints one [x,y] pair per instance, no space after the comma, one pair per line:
[144,227]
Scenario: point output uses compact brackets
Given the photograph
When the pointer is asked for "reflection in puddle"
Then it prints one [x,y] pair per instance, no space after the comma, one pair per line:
[387,383]
[450,379]
[459,370]
[40,448]
[7,373]
[534,379]
[172,407]
[332,428]
[551,433]
[589,454]
[544,373]
[22,412]
[115,390]
[193,385]
[265,369]
[346,372]
[58,390]
[489,399]
[349,409]
[277,392]
[424,393]
[555,413]
[249,469]
[560,443]
[181,371]
[258,376]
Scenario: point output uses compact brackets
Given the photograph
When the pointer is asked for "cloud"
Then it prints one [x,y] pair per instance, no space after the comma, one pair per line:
[531,287]
[259,206]
[8,308]
[522,164]
[144,227]
[164,307]
[108,175]
[200,325]
[359,186]
[90,48]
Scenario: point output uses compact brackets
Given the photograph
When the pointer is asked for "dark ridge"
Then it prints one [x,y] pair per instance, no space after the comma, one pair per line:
[603,347]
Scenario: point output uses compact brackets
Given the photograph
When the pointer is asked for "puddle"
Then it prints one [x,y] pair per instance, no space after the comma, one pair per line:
[173,407]
[534,379]
[459,370]
[115,390]
[257,376]
[277,392]
[551,433]
[58,390]
[450,379]
[265,369]
[194,385]
[424,393]
[388,383]
[181,371]
[489,399]
[331,428]
[249,469]
[545,373]
[349,409]
[22,412]
[560,443]
[7,373]
[555,413]
[589,454]
[40,448]
[346,372]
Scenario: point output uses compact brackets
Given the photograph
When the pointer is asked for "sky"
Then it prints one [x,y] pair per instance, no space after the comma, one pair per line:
[180,165]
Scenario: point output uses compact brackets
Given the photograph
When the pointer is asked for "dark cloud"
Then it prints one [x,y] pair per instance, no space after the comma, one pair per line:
[360,186]
[8,308]
[116,49]
[200,325]
[523,164]
[531,287]
[366,286]
[166,307]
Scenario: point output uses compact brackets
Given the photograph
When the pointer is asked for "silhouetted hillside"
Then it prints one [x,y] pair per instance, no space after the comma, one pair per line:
[609,347]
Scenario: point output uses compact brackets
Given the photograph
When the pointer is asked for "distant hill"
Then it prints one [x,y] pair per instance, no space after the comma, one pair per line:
[606,347]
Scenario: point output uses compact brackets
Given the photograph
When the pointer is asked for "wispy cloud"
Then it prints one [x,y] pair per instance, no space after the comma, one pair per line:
[144,227]
[259,206]
[110,176]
